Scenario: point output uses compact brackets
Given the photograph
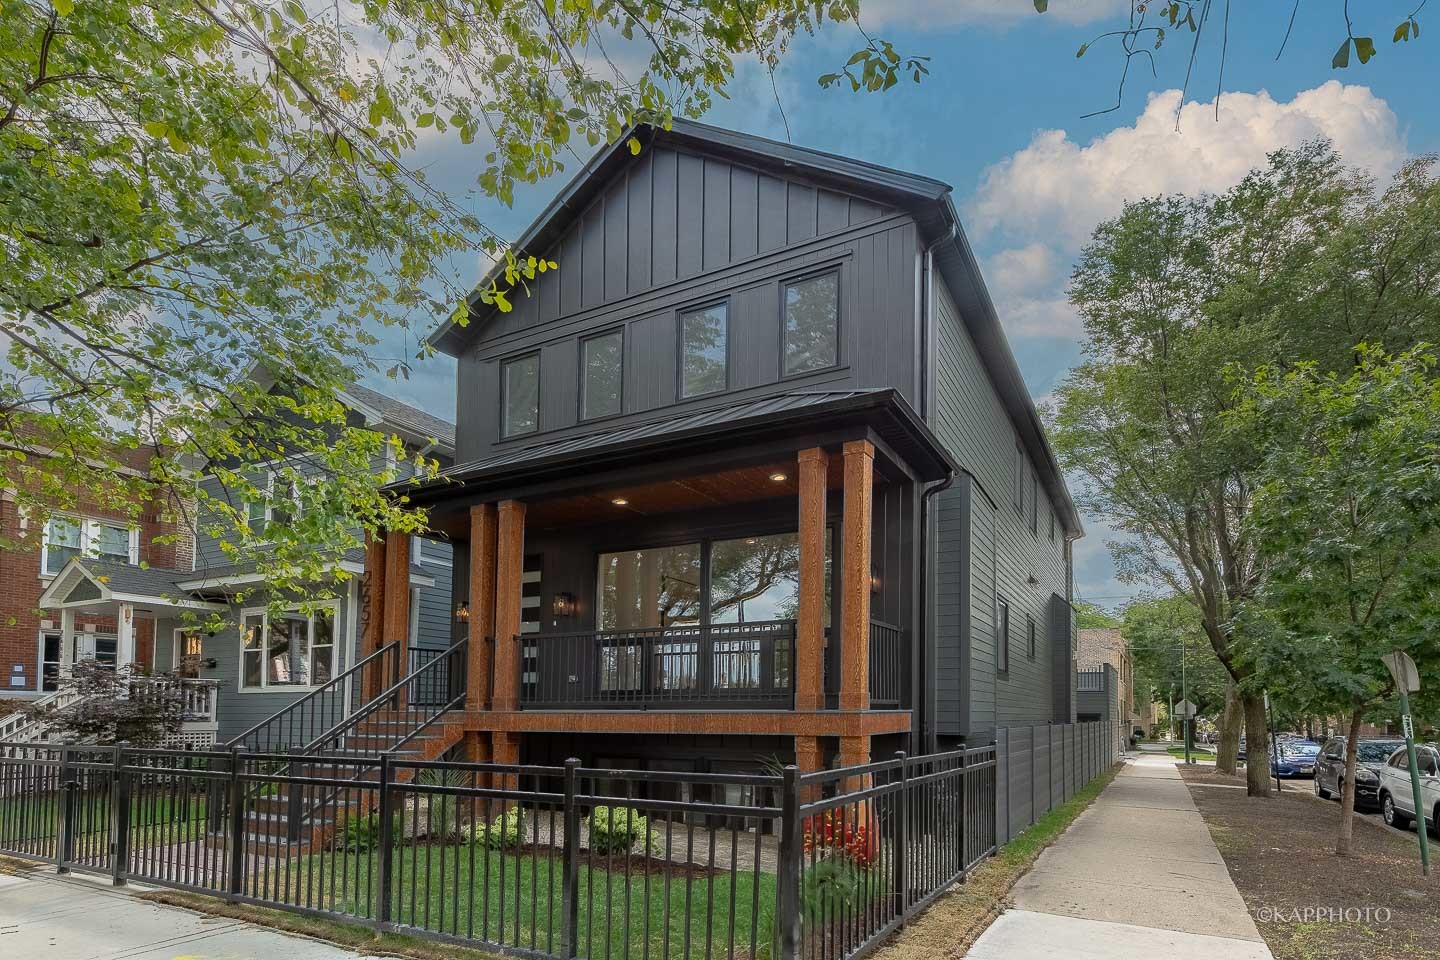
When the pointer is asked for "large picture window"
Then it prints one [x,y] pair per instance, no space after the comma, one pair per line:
[657,587]
[520,395]
[290,649]
[703,350]
[812,323]
[67,537]
[600,385]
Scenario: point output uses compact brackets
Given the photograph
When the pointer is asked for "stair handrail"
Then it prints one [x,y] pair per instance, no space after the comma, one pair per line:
[455,650]
[333,686]
[20,727]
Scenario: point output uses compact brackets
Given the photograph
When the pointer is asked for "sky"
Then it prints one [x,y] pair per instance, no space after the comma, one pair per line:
[1002,118]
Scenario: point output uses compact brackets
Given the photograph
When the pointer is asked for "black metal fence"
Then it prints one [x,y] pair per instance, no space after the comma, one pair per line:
[546,861]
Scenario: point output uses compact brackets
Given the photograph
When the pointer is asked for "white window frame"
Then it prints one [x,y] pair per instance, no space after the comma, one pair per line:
[336,646]
[88,539]
[271,475]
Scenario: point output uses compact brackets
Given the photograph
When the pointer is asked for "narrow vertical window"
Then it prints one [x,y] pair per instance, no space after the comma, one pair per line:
[1002,636]
[603,359]
[703,354]
[1017,481]
[520,395]
[1030,637]
[812,315]
[1035,504]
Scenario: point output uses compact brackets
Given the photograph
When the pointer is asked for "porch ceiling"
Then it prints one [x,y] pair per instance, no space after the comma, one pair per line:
[749,484]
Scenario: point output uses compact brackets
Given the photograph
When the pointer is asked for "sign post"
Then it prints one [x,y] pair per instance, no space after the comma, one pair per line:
[1407,681]
[1186,709]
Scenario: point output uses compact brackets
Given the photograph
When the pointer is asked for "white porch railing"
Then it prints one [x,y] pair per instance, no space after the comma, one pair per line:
[198,711]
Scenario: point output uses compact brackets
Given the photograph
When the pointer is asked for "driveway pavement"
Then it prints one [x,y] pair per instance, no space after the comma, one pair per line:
[45,917]
[1134,878]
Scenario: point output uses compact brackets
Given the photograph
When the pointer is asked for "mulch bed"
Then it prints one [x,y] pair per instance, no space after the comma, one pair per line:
[1308,903]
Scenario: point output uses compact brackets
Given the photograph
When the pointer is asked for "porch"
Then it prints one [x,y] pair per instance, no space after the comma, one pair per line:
[753,574]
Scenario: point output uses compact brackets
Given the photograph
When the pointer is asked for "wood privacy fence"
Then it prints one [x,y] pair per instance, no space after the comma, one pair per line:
[544,861]
[1040,767]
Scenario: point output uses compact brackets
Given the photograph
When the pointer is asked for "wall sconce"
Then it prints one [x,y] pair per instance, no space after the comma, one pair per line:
[563,604]
[209,663]
[462,611]
[874,582]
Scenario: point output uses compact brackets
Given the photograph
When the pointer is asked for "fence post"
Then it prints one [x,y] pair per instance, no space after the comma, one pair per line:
[387,845]
[570,871]
[119,817]
[902,885]
[235,883]
[65,828]
[788,865]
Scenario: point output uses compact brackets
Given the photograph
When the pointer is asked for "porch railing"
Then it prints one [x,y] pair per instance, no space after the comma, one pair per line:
[889,662]
[722,664]
[1090,681]
[198,696]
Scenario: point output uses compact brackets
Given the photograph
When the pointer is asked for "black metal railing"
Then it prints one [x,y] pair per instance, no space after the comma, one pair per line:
[326,706]
[402,711]
[723,664]
[549,861]
[889,663]
[1090,681]
[438,686]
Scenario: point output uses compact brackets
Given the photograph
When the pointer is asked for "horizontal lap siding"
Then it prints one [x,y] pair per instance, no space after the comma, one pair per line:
[436,615]
[972,423]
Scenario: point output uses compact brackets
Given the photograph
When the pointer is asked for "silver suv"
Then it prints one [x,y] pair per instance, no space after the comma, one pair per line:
[1397,804]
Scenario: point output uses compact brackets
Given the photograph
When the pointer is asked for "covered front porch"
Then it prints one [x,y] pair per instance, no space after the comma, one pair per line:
[753,574]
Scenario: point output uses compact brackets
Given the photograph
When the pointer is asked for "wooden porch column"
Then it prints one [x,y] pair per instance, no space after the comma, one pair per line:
[810,617]
[855,752]
[483,526]
[505,748]
[397,601]
[810,759]
[855,577]
[372,612]
[509,564]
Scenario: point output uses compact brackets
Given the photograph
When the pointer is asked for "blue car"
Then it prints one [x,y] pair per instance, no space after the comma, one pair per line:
[1296,758]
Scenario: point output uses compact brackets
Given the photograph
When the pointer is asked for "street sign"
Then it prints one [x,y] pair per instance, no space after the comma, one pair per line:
[1402,669]
[1185,709]
[1407,727]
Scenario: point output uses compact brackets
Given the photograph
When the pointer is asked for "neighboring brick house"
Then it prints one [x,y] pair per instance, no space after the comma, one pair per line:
[30,639]
[1098,647]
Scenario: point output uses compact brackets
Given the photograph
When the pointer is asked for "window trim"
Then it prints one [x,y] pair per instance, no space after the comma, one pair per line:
[505,362]
[1017,481]
[790,281]
[1002,636]
[272,472]
[337,644]
[1029,636]
[580,361]
[1035,505]
[697,307]
[87,539]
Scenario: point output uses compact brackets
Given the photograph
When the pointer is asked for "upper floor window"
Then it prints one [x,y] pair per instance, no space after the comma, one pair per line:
[704,333]
[520,395]
[1030,636]
[602,359]
[1002,635]
[1035,504]
[67,537]
[1017,481]
[812,323]
[1051,511]
[280,501]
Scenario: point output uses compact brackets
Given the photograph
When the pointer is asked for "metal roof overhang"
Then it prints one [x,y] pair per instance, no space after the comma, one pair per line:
[883,413]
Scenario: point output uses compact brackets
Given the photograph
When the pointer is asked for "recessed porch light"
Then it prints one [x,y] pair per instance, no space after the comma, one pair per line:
[619,501]
[779,477]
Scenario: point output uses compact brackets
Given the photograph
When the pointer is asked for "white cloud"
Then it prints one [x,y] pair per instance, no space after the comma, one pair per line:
[1056,188]
[949,13]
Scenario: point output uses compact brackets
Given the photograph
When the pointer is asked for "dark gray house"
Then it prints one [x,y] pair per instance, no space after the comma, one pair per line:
[752,474]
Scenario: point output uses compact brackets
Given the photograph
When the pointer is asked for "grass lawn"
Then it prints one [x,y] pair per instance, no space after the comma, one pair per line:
[515,899]
[1196,754]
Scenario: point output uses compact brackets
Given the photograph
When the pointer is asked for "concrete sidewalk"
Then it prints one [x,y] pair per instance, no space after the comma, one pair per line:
[45,917]
[1136,876]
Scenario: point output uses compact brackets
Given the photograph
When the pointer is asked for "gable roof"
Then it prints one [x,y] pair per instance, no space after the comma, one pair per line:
[404,417]
[928,200]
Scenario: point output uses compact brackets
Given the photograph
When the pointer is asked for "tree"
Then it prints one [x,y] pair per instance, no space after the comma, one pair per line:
[99,704]
[1150,23]
[1172,654]
[1300,261]
[1092,616]
[192,192]
[1347,511]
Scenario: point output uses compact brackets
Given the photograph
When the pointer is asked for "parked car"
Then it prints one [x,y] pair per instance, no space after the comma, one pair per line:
[1293,758]
[1397,799]
[1369,761]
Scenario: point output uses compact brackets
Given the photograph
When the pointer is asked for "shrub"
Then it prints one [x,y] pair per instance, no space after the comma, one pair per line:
[617,829]
[829,888]
[504,832]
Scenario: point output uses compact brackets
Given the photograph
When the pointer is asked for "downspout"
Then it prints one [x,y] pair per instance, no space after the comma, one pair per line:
[923,627]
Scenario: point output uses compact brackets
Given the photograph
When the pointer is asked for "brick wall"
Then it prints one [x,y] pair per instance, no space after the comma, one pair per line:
[21,585]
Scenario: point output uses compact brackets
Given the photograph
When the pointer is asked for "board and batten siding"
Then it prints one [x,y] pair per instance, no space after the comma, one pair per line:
[1003,553]
[679,230]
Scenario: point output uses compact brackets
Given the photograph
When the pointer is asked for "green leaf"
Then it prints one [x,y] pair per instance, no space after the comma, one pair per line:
[1341,60]
[634,145]
[1081,52]
[157,128]
[1042,5]
[1364,48]
[1402,32]
[502,63]
[857,56]
[425,120]
[295,11]
[63,7]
